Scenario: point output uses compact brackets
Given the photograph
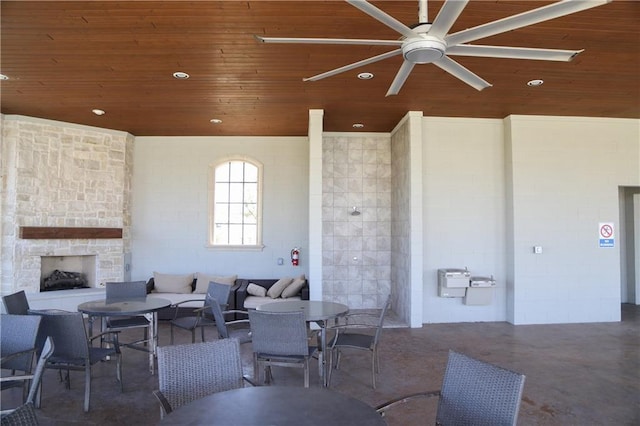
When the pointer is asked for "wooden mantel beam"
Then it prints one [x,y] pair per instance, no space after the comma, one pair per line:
[56,233]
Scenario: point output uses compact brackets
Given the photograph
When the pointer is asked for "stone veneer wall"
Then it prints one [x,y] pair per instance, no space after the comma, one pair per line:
[356,250]
[60,174]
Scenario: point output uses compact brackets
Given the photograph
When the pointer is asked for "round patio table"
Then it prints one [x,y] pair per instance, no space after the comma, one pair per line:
[276,405]
[128,307]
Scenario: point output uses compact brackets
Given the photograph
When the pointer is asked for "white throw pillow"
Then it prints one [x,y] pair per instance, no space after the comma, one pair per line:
[294,288]
[276,290]
[256,290]
[202,283]
[169,283]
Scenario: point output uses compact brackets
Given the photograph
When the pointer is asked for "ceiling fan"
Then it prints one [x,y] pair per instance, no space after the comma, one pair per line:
[430,43]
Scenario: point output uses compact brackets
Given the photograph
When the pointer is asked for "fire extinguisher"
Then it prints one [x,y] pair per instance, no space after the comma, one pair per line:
[295,256]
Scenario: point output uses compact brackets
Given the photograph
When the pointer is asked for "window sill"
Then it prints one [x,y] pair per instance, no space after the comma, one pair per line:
[258,247]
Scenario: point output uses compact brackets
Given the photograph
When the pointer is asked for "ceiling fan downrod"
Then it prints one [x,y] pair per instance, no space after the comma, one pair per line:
[423,12]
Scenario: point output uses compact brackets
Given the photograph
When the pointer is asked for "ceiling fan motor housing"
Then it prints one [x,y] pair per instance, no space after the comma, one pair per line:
[423,49]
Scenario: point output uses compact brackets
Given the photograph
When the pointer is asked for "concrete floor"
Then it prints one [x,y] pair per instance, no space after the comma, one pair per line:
[577,374]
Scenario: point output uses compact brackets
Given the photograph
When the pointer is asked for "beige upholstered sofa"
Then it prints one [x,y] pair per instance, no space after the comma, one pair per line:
[187,289]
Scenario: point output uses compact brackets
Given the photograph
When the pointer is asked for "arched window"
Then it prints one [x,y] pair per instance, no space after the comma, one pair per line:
[235,213]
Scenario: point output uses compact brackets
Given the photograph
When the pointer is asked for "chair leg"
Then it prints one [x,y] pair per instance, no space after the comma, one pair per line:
[38,396]
[172,334]
[330,360]
[268,376]
[87,387]
[306,372]
[256,371]
[202,332]
[193,335]
[119,372]
[373,368]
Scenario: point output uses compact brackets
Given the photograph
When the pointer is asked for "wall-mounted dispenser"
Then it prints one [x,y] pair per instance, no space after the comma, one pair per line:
[453,282]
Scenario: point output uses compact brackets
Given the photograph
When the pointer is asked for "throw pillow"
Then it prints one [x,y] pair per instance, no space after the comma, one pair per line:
[202,283]
[168,283]
[256,290]
[294,288]
[276,290]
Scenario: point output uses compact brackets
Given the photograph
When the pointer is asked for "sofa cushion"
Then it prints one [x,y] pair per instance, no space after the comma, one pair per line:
[276,290]
[256,290]
[294,288]
[170,283]
[202,283]
[197,300]
[252,302]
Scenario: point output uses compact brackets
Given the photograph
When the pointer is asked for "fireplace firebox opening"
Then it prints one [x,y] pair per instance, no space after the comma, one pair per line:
[67,272]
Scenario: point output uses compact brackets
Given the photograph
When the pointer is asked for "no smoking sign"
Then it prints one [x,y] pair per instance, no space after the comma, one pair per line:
[606,234]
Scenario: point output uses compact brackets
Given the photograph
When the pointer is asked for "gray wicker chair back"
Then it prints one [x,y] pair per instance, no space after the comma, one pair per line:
[280,339]
[192,371]
[24,415]
[279,333]
[477,393]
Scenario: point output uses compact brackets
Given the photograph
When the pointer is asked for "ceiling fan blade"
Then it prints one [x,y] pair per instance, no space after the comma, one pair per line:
[520,20]
[447,15]
[401,77]
[294,40]
[458,71]
[512,52]
[383,17]
[354,65]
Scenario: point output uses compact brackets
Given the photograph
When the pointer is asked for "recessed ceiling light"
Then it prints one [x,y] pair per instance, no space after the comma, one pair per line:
[4,77]
[215,121]
[358,125]
[534,83]
[365,76]
[98,111]
[181,75]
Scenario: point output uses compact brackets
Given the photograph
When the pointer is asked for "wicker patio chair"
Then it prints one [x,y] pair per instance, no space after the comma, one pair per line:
[473,393]
[192,371]
[280,339]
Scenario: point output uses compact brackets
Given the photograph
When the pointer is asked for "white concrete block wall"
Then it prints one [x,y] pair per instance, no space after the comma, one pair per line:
[170,206]
[464,212]
[566,177]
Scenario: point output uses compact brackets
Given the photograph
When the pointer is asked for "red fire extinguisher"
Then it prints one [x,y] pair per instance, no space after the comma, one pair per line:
[295,256]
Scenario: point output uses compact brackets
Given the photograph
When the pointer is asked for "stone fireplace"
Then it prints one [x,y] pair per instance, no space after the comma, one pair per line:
[64,181]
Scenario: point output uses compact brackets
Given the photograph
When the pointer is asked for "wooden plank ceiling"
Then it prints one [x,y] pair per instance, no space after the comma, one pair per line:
[65,58]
